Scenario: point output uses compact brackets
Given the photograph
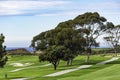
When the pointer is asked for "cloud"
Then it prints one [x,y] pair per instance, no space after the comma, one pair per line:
[76,8]
[66,13]
[45,7]
[22,7]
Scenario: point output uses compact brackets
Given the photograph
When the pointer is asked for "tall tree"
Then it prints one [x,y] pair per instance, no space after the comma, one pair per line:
[45,42]
[50,43]
[71,40]
[113,36]
[94,23]
[75,36]
[3,57]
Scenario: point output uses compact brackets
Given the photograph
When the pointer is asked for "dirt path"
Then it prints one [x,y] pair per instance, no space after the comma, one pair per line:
[107,61]
[67,71]
[80,67]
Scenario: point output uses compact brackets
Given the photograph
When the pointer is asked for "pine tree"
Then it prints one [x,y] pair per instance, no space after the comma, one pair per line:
[3,57]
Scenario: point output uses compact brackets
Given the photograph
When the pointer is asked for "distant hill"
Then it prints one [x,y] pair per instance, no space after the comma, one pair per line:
[27,48]
[18,51]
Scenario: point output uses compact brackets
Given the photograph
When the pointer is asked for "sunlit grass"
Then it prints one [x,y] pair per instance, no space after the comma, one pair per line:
[39,72]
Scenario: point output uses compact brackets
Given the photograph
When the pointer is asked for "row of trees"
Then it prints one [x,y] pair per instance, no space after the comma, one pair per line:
[72,38]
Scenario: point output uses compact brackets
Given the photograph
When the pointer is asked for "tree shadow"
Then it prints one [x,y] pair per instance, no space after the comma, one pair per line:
[114,62]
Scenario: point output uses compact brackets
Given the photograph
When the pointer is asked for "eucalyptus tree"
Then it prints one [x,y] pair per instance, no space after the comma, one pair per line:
[95,24]
[71,40]
[46,42]
[3,57]
[51,41]
[113,36]
[39,41]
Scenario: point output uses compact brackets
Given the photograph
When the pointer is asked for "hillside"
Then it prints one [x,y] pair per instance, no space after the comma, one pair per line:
[18,51]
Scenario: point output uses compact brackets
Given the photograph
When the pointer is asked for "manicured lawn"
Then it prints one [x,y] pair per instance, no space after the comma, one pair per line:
[38,72]
[110,71]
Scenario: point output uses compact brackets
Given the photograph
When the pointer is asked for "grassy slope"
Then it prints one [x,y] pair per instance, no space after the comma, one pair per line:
[109,71]
[38,73]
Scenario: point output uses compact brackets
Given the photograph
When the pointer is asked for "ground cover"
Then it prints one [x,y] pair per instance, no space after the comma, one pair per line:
[37,73]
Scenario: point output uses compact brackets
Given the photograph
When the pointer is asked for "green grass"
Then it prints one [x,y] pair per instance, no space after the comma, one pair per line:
[99,49]
[110,71]
[38,73]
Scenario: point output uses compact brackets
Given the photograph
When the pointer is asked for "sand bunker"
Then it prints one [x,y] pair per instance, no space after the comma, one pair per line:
[20,79]
[29,67]
[21,64]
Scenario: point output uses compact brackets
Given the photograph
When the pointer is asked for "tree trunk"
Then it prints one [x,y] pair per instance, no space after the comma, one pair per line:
[88,57]
[88,52]
[115,52]
[54,65]
[70,61]
[67,62]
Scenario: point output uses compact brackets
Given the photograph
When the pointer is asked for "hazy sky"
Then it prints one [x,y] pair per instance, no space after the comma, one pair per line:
[20,20]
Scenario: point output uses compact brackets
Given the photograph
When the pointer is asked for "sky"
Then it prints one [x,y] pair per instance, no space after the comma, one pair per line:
[21,20]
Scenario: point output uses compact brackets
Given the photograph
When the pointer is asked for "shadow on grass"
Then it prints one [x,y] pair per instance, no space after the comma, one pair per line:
[114,62]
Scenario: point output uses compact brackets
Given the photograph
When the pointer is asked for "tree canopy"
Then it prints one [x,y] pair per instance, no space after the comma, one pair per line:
[94,24]
[71,38]
[113,36]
